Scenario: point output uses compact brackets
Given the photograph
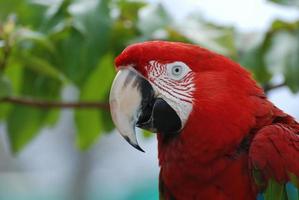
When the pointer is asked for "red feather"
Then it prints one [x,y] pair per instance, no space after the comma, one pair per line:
[275,151]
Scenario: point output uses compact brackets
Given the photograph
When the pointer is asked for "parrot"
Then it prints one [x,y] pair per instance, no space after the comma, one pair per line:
[219,137]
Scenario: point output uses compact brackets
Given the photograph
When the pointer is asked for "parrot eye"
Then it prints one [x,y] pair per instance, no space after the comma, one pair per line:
[177,70]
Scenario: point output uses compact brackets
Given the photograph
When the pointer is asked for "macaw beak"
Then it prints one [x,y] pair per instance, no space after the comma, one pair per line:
[134,103]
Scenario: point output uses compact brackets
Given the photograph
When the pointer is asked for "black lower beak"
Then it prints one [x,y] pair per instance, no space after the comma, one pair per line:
[156,114]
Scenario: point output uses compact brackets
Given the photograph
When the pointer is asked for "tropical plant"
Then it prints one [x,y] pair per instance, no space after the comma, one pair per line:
[50,47]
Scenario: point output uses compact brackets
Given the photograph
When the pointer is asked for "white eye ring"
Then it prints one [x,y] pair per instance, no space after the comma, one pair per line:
[177,70]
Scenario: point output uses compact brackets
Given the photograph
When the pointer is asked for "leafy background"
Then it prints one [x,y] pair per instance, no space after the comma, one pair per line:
[56,62]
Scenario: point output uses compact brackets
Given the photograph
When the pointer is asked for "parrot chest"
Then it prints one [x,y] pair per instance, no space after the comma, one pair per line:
[185,177]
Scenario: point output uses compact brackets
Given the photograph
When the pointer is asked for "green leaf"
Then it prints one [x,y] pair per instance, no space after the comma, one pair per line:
[88,39]
[5,91]
[43,67]
[153,18]
[255,62]
[214,37]
[20,8]
[275,191]
[88,127]
[282,57]
[4,110]
[105,117]
[279,25]
[53,8]
[25,34]
[287,2]
[62,30]
[276,54]
[54,13]
[292,65]
[125,27]
[52,117]
[15,74]
[23,124]
[89,122]
[5,87]
[129,9]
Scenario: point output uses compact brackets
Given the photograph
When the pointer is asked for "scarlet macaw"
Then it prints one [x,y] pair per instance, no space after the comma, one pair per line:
[219,137]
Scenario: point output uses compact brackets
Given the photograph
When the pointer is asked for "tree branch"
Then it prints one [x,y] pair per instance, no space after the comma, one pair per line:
[44,104]
[267,87]
[54,104]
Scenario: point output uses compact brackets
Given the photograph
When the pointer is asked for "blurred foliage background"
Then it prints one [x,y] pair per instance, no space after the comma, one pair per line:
[50,46]
[47,45]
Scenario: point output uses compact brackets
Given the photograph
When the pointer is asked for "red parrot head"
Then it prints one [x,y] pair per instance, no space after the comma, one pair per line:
[160,86]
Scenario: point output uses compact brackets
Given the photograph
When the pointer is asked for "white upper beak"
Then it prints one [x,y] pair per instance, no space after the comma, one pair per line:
[125,100]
